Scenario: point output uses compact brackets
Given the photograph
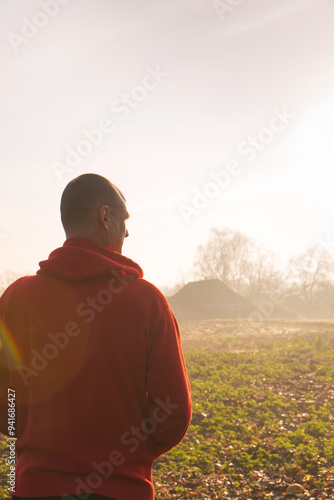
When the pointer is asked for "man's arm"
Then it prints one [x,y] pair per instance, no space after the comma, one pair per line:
[168,387]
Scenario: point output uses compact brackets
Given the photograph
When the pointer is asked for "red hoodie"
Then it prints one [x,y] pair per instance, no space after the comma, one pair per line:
[93,354]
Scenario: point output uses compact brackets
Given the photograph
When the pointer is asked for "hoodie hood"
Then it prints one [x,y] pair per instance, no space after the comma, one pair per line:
[81,259]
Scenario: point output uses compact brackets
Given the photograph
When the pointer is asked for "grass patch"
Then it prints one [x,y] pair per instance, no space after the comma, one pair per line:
[263,406]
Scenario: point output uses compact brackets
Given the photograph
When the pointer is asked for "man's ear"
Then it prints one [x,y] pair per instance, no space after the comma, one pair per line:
[104,216]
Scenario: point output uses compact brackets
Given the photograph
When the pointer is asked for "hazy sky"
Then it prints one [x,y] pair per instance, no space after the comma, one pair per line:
[211,114]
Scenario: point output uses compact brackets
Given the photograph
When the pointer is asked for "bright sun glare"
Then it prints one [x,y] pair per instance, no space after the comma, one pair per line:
[313,154]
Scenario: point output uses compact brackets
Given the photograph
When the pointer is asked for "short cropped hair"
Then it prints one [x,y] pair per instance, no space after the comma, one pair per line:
[83,195]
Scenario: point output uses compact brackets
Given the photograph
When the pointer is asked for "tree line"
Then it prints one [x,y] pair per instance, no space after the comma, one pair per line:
[306,285]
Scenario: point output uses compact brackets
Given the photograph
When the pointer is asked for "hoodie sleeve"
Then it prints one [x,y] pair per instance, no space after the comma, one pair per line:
[167,384]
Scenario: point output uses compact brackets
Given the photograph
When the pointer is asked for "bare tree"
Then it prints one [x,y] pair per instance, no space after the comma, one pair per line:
[311,276]
[262,277]
[240,262]
[223,256]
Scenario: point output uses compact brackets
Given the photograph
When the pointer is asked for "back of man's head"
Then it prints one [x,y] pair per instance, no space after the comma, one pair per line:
[83,195]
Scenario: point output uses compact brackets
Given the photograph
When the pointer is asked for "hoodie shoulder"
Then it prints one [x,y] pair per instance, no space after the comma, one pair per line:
[145,291]
[19,288]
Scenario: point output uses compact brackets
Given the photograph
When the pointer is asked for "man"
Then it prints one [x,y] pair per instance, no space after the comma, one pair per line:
[91,361]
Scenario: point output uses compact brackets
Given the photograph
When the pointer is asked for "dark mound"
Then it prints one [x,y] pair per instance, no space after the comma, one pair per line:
[209,299]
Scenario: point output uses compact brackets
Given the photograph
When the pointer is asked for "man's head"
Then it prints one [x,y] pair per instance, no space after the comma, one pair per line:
[94,208]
